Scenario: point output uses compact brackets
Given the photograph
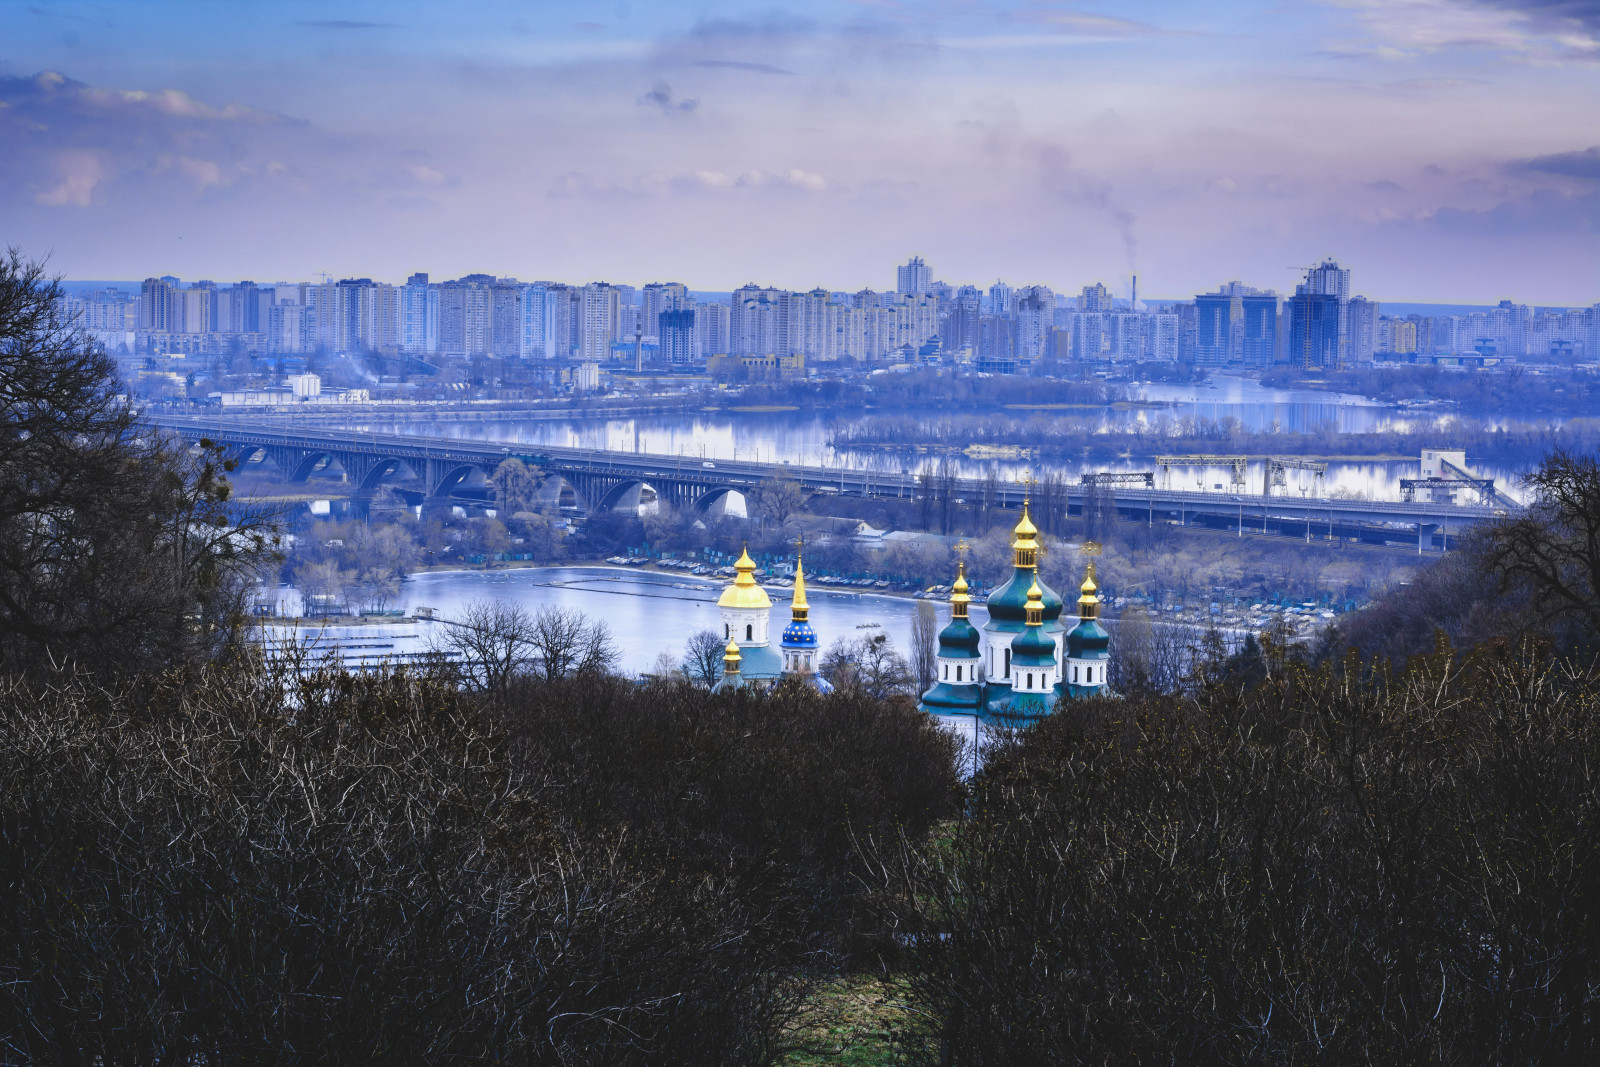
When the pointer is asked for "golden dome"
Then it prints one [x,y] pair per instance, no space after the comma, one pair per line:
[1088,602]
[1026,545]
[958,593]
[1025,529]
[730,658]
[745,592]
[1035,607]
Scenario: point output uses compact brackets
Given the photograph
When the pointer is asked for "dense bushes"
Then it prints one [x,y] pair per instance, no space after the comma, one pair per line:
[1326,869]
[239,867]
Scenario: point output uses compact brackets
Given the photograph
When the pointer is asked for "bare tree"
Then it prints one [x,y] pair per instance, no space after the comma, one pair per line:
[515,486]
[867,665]
[925,645]
[564,642]
[493,642]
[1555,546]
[778,498]
[702,658]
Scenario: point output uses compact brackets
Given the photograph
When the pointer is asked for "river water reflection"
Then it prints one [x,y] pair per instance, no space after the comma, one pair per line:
[648,612]
[804,437]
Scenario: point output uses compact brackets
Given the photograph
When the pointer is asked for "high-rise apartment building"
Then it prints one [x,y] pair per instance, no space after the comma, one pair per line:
[676,340]
[959,328]
[1314,334]
[1095,298]
[658,297]
[419,315]
[505,318]
[464,316]
[1361,329]
[913,279]
[711,328]
[1000,299]
[754,320]
[600,321]
[1035,318]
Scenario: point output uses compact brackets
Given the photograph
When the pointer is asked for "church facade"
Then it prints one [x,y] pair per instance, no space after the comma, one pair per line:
[1011,671]
[1024,659]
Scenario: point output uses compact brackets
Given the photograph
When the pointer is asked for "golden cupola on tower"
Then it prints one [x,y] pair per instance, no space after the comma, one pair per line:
[745,592]
[1025,541]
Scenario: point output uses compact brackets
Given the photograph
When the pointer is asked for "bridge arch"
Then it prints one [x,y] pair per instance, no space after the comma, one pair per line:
[718,497]
[631,494]
[383,468]
[459,476]
[309,462]
[556,491]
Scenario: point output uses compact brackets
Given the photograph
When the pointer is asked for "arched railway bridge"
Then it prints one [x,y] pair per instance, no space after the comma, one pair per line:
[602,479]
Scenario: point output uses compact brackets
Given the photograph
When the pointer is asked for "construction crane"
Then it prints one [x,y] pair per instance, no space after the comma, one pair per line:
[1144,478]
[1236,463]
[1277,465]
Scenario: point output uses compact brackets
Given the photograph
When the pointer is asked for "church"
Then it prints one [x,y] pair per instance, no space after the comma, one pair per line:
[1010,672]
[746,610]
[1024,659]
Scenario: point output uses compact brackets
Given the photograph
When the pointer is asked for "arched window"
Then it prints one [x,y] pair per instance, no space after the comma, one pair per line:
[958,674]
[727,631]
[1008,664]
[749,632]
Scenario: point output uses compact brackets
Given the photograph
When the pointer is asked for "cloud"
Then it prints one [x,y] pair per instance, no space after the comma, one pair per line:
[1539,29]
[80,173]
[730,64]
[1584,14]
[1584,164]
[344,24]
[660,96]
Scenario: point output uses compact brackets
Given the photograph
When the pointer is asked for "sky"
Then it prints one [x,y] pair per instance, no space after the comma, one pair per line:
[1443,150]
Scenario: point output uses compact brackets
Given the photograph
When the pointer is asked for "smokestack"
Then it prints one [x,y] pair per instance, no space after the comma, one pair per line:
[1134,306]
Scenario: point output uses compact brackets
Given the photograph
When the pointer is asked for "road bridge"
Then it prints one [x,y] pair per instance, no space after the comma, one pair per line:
[601,479]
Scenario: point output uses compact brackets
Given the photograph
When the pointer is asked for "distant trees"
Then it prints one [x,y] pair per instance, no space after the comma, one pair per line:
[118,550]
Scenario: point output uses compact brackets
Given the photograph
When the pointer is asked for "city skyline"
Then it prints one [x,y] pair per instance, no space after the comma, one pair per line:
[1449,146]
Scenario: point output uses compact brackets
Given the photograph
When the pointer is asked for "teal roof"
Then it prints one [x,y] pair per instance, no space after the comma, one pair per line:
[1009,603]
[1088,640]
[947,698]
[960,637]
[1032,648]
[760,661]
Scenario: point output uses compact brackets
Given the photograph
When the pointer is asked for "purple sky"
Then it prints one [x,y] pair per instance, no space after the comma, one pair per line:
[1443,150]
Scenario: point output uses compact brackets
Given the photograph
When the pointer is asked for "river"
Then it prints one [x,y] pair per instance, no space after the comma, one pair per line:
[648,612]
[804,437]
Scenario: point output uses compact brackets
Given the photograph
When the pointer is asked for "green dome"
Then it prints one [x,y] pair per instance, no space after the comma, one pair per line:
[959,638]
[1009,603]
[1088,640]
[1032,648]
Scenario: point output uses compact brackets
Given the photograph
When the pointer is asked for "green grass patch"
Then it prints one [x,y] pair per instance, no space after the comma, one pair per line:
[855,1020]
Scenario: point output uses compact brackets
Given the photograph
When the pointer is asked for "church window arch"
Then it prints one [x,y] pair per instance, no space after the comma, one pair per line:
[749,631]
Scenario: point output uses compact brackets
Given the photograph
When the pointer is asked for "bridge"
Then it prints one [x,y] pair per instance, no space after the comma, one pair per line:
[601,480]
